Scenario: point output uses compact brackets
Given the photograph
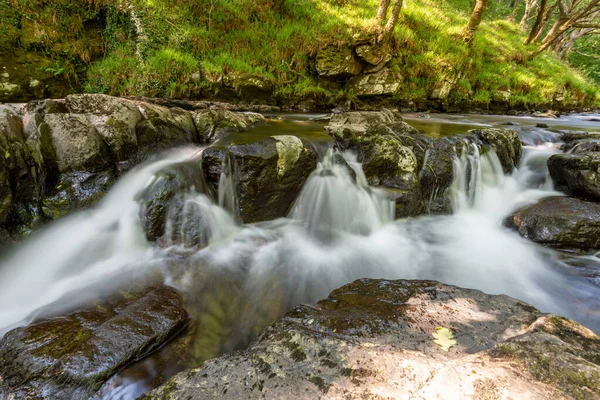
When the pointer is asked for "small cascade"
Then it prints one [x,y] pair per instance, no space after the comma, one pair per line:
[227,195]
[196,221]
[334,200]
[473,169]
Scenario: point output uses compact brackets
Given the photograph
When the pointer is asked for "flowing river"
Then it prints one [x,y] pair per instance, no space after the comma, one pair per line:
[238,278]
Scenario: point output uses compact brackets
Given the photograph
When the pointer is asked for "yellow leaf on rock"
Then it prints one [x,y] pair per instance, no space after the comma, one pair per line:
[444,338]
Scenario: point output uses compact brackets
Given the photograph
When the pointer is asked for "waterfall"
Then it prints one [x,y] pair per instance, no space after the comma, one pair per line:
[333,199]
[82,250]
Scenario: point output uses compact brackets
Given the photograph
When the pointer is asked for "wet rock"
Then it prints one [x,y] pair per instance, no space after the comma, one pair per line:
[21,173]
[437,172]
[581,146]
[212,124]
[407,202]
[337,62]
[76,191]
[165,195]
[386,162]
[70,356]
[77,143]
[558,221]
[382,83]
[576,174]
[505,142]
[374,338]
[540,125]
[579,143]
[269,175]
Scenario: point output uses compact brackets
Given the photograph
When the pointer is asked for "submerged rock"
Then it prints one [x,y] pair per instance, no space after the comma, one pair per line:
[576,174]
[560,221]
[69,357]
[375,338]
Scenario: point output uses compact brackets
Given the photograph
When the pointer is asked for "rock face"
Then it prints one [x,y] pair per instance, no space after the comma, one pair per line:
[577,174]
[62,155]
[269,174]
[374,339]
[381,83]
[561,222]
[337,62]
[71,356]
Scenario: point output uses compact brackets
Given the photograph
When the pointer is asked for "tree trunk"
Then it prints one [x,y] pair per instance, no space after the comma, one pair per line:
[538,21]
[529,5]
[391,24]
[476,18]
[382,11]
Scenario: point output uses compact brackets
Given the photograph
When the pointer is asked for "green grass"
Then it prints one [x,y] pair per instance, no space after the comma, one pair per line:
[192,43]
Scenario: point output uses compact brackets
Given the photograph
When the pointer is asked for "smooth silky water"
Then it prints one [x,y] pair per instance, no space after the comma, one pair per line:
[236,278]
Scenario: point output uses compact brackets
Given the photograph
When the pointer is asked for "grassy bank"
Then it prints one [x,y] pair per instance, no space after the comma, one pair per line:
[178,48]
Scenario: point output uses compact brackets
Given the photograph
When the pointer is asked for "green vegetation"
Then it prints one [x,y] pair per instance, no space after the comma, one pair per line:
[181,48]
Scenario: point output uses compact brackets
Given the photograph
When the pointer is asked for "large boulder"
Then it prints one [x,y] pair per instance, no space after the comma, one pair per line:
[576,174]
[268,173]
[71,356]
[351,125]
[401,339]
[114,118]
[337,62]
[163,127]
[561,222]
[77,143]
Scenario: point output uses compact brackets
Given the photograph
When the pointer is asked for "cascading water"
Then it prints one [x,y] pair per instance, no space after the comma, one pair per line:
[82,250]
[238,278]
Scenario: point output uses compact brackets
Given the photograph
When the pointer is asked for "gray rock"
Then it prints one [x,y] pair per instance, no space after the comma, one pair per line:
[576,174]
[382,83]
[114,118]
[337,62]
[77,143]
[212,124]
[164,127]
[505,142]
[559,221]
[269,174]
[374,339]
[71,356]
[349,125]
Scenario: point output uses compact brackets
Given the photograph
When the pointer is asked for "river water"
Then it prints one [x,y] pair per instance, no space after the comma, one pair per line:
[238,278]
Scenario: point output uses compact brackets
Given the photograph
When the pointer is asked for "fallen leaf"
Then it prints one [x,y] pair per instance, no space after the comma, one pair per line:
[444,338]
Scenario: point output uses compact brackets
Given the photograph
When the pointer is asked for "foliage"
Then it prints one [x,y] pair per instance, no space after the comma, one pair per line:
[185,45]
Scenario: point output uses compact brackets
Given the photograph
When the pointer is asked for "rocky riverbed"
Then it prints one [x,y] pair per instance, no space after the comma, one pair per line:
[225,237]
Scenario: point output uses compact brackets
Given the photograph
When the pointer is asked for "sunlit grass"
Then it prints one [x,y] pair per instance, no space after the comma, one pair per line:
[279,39]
